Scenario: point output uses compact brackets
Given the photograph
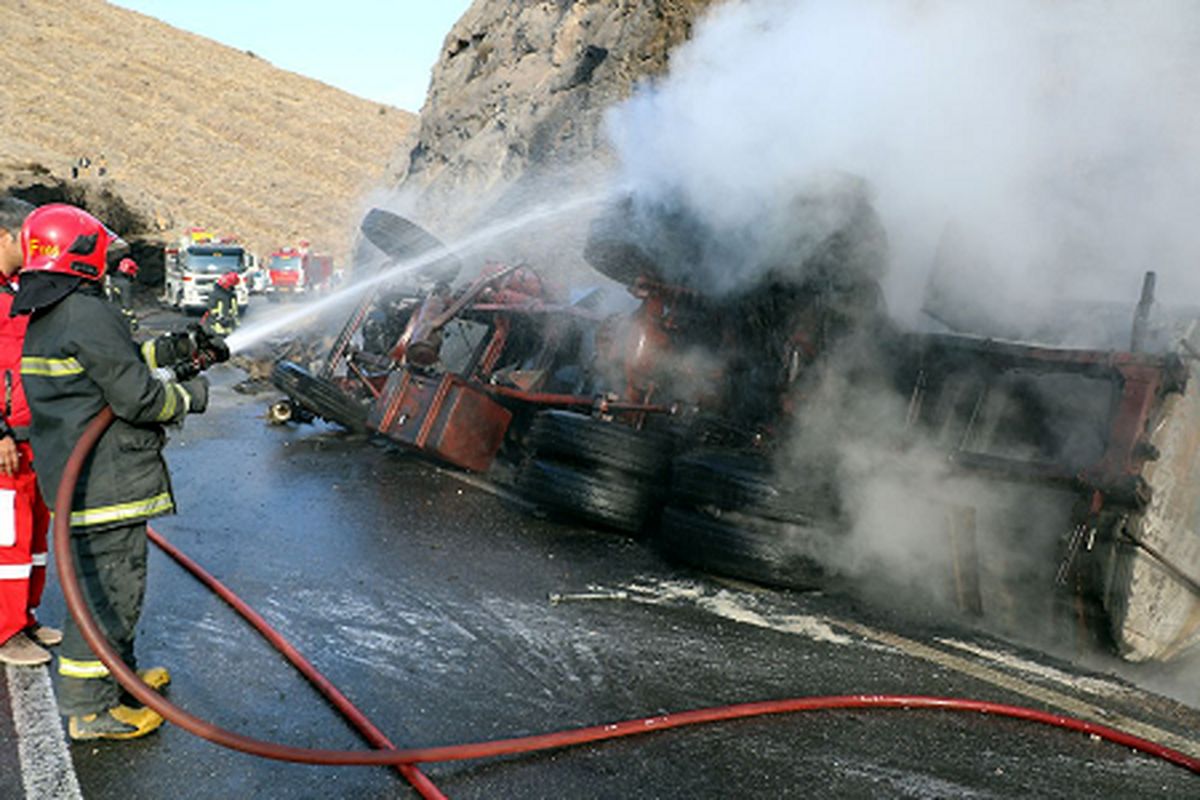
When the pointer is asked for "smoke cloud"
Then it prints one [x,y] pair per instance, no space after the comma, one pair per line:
[1060,140]
[1023,156]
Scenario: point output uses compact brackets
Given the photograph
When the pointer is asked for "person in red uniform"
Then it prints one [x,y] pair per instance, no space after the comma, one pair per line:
[24,518]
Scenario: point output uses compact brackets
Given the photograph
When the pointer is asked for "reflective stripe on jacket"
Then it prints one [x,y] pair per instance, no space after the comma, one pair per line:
[223,311]
[78,358]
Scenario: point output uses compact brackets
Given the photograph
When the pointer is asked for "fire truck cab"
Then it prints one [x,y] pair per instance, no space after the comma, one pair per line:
[295,271]
[193,266]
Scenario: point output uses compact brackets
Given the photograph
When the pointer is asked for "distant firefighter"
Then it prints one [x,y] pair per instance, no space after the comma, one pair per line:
[120,290]
[222,315]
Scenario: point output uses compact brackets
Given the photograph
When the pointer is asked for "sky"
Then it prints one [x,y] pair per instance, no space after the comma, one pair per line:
[381,50]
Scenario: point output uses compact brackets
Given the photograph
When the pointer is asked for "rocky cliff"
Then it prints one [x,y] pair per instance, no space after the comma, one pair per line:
[518,95]
[190,132]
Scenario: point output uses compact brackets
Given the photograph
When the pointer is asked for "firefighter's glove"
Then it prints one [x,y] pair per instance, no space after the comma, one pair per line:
[208,348]
[172,349]
[213,350]
[196,391]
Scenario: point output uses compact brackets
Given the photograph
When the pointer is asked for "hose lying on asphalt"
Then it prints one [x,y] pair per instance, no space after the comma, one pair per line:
[526,744]
[373,735]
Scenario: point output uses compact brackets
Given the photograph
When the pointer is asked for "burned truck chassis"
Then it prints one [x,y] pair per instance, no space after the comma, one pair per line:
[633,463]
[1107,479]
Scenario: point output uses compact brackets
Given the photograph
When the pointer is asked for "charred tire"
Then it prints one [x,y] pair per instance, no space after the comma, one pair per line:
[740,546]
[400,239]
[747,484]
[320,396]
[574,437]
[597,494]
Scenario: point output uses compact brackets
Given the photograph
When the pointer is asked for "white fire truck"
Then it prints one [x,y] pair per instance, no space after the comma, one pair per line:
[194,265]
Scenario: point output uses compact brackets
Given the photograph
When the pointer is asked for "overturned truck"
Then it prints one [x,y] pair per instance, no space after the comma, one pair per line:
[1115,435]
[1067,480]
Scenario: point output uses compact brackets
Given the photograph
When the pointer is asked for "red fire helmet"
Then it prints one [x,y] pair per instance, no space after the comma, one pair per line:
[128,267]
[228,280]
[67,240]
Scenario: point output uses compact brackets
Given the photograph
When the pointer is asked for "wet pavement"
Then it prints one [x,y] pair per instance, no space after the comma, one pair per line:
[426,597]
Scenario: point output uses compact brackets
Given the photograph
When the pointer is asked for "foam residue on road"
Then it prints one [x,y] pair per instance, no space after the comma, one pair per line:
[735,606]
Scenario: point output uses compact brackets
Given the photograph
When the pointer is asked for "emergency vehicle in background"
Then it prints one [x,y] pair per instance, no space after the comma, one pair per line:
[296,271]
[194,265]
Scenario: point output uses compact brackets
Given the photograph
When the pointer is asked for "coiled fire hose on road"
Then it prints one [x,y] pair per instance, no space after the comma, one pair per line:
[406,759]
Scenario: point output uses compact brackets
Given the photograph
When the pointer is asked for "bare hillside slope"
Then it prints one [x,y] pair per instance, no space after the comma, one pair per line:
[191,132]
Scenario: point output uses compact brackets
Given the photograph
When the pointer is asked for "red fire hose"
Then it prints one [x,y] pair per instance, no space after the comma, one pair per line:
[407,758]
[322,684]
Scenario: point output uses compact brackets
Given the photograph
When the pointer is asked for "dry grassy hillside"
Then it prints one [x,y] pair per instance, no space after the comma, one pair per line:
[193,132]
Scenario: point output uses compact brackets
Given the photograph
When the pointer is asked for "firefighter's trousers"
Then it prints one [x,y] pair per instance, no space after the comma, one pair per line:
[24,521]
[111,565]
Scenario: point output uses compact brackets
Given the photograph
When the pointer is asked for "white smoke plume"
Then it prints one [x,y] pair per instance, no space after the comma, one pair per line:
[1039,153]
[1063,137]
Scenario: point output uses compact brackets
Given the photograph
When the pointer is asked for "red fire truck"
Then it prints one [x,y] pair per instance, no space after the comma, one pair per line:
[295,270]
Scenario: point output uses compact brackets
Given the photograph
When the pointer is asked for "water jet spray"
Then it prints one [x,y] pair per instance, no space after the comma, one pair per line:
[251,335]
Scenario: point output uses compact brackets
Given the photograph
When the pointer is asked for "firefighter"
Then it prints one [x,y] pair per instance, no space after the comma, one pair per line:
[222,315]
[120,290]
[25,518]
[79,357]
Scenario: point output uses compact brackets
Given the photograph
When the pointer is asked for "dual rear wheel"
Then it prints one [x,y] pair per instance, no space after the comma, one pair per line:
[720,511]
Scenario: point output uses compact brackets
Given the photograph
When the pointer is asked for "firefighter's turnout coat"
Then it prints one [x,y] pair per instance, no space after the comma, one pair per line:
[223,312]
[78,358]
[120,292]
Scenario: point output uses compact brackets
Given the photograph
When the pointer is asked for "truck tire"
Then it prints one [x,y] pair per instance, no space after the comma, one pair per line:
[401,239]
[320,396]
[573,437]
[747,484]
[597,494]
[759,550]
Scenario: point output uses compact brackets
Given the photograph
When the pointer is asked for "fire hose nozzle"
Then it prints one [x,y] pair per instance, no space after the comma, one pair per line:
[186,354]
[211,348]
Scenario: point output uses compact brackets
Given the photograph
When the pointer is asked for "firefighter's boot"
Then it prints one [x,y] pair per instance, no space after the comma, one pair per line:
[155,677]
[118,722]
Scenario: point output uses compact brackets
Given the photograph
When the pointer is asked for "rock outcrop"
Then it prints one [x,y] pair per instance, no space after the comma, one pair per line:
[518,95]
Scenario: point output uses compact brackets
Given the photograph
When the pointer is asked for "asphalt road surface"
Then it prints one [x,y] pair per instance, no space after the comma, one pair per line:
[450,614]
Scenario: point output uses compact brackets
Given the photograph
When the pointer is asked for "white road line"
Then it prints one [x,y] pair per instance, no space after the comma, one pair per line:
[1071,705]
[46,769]
[732,605]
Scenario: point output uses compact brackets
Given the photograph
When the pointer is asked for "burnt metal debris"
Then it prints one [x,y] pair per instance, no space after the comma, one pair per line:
[679,420]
